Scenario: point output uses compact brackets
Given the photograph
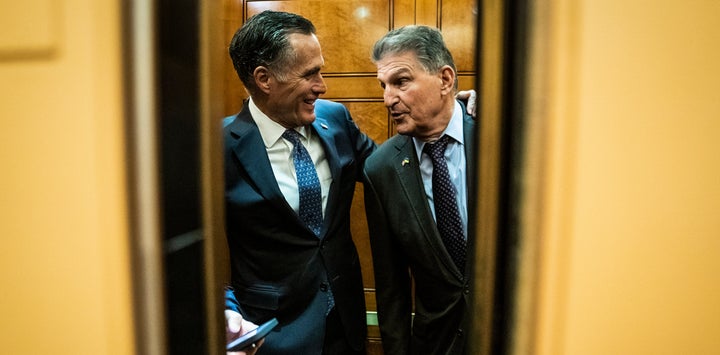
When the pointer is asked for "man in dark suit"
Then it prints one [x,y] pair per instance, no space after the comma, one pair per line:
[416,197]
[291,164]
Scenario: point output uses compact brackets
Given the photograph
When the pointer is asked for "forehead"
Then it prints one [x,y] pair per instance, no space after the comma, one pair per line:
[307,50]
[398,63]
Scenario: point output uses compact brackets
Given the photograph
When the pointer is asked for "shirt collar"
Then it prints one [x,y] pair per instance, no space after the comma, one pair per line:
[270,131]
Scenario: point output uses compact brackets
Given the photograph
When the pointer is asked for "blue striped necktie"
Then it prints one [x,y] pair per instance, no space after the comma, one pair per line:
[308,183]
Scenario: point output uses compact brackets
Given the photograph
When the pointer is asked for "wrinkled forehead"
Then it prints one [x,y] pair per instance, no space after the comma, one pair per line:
[398,63]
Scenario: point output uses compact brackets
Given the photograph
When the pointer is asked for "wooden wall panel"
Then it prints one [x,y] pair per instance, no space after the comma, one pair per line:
[352,86]
[457,23]
[372,118]
[426,12]
[466,81]
[403,13]
[346,29]
[233,17]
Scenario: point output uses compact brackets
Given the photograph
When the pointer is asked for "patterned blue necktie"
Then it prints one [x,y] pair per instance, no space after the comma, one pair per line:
[308,183]
[447,214]
[310,194]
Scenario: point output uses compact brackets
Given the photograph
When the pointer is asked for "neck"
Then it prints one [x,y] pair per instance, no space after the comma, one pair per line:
[440,123]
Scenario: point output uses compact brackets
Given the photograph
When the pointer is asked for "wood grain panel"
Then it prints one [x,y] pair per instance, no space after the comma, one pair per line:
[457,23]
[359,230]
[353,87]
[426,12]
[466,82]
[403,13]
[347,29]
[371,117]
[233,17]
[374,347]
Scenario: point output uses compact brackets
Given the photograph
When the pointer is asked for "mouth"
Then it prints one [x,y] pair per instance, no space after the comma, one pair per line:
[310,102]
[396,115]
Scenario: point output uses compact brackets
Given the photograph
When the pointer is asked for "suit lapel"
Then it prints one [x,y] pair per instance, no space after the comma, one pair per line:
[322,129]
[328,141]
[407,167]
[412,181]
[249,149]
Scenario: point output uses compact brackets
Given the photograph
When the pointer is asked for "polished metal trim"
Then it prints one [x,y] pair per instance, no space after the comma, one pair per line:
[143,166]
[182,241]
[489,60]
[213,52]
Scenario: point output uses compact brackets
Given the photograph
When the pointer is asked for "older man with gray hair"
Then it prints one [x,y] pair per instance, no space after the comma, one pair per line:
[416,197]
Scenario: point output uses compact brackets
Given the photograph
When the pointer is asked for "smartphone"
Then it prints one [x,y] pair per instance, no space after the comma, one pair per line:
[252,336]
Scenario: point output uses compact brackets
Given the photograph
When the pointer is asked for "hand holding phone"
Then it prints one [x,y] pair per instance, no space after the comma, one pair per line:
[250,338]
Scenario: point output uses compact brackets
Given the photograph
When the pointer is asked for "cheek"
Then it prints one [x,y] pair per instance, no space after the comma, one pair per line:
[415,96]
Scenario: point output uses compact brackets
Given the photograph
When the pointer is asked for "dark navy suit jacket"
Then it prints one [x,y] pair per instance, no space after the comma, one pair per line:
[278,266]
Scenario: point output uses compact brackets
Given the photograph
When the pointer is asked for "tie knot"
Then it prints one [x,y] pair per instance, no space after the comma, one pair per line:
[292,135]
[436,150]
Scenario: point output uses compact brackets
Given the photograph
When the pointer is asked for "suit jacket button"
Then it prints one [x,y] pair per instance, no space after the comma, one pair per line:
[324,287]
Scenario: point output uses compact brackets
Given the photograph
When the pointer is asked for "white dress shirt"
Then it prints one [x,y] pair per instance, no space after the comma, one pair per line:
[279,151]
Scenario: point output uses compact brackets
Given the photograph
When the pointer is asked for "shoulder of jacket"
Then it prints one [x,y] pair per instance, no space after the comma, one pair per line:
[386,151]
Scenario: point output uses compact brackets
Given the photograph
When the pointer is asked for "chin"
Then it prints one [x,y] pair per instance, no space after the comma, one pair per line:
[308,120]
[404,130]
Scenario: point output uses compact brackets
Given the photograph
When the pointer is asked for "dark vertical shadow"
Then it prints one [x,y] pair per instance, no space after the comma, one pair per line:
[179,139]
[512,131]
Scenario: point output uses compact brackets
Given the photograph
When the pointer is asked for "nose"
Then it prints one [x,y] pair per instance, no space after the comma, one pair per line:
[389,96]
[319,86]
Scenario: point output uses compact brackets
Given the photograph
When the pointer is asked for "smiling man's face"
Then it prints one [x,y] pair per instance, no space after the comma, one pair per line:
[292,95]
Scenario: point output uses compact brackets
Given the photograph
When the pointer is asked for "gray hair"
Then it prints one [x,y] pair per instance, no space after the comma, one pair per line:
[263,41]
[426,42]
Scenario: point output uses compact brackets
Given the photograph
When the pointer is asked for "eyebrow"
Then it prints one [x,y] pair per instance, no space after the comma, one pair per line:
[312,70]
[399,72]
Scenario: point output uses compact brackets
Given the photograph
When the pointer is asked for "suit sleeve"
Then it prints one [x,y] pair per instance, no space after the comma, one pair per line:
[392,277]
[231,302]
[363,145]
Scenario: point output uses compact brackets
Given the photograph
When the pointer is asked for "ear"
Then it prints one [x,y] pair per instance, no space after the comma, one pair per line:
[447,78]
[262,79]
